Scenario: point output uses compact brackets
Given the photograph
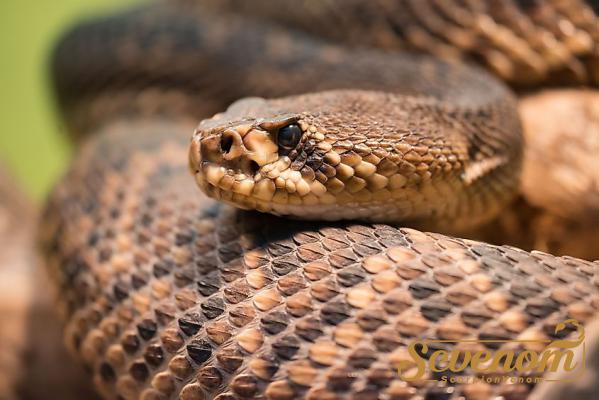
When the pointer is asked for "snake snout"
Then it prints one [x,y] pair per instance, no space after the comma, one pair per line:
[235,148]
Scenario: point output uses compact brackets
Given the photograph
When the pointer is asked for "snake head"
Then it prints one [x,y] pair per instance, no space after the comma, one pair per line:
[335,155]
[310,157]
[256,156]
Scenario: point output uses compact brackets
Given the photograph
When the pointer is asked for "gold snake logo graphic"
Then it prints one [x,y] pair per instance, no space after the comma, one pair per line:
[460,365]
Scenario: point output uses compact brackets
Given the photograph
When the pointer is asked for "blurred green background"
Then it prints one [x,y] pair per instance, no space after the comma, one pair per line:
[31,141]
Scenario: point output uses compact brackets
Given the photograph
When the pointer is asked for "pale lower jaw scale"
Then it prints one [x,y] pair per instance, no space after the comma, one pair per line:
[244,200]
[214,174]
[244,187]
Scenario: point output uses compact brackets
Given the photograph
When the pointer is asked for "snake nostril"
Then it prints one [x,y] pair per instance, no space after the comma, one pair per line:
[226,142]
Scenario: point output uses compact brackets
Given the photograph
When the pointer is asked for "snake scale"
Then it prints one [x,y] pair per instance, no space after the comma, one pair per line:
[170,294]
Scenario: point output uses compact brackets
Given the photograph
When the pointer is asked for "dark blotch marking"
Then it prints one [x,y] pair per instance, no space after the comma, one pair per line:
[275,322]
[199,351]
[213,307]
[335,312]
[286,347]
[209,285]
[154,355]
[421,289]
[190,324]
[121,291]
[107,373]
[162,268]
[139,371]
[147,329]
[130,343]
[434,310]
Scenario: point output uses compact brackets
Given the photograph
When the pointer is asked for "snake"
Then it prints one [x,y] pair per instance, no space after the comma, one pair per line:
[342,175]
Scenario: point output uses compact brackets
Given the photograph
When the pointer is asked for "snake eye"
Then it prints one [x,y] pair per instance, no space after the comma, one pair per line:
[289,136]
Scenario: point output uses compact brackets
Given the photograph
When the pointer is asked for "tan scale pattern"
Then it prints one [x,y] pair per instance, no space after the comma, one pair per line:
[200,301]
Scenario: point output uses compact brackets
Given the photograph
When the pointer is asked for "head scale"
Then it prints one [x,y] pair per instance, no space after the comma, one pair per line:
[309,156]
[259,155]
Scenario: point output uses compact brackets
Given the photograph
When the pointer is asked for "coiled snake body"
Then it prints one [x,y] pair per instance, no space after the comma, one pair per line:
[169,294]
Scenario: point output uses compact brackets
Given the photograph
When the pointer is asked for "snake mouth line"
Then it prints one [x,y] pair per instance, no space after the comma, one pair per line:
[261,194]
[239,194]
[263,187]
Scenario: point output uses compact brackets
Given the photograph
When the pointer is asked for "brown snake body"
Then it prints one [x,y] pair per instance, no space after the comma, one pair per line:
[168,294]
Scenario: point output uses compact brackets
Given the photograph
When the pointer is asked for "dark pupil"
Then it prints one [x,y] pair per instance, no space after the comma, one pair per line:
[289,136]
